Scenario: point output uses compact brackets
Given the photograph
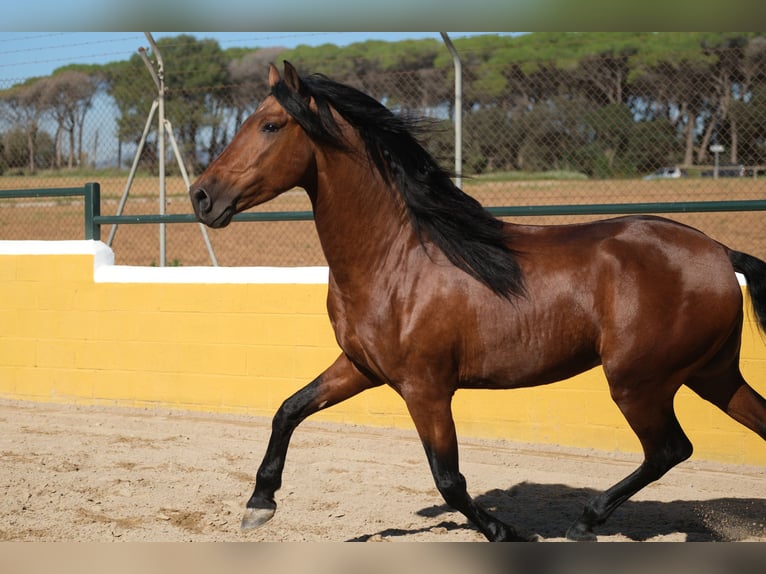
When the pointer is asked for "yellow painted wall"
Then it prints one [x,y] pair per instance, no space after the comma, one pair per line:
[244,347]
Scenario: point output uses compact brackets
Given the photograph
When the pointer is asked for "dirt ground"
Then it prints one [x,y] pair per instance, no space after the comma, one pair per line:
[96,474]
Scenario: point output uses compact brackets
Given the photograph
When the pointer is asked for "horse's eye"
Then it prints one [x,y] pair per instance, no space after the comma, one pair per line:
[270,127]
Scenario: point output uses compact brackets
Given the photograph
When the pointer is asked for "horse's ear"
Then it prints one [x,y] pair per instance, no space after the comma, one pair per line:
[292,79]
[273,75]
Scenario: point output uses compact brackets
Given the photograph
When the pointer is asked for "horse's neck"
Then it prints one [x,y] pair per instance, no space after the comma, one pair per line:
[361,223]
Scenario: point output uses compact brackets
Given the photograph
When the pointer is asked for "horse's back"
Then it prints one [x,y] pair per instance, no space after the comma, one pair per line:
[658,256]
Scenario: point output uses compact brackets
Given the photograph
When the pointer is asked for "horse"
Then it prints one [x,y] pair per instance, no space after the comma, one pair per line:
[429,293]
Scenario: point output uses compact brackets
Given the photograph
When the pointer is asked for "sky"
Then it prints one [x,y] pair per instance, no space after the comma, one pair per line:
[265,16]
[269,15]
[32,54]
[29,48]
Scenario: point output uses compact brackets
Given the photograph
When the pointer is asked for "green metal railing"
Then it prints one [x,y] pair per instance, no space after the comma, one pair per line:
[91,192]
[191,218]
[630,208]
[98,220]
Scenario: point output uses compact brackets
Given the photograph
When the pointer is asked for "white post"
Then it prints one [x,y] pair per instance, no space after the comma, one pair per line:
[160,81]
[716,149]
[458,109]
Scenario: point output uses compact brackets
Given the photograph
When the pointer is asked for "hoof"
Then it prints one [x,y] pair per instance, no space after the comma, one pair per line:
[526,538]
[581,533]
[510,535]
[515,537]
[255,517]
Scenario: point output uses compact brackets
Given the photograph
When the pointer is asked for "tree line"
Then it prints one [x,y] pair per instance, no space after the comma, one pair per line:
[604,104]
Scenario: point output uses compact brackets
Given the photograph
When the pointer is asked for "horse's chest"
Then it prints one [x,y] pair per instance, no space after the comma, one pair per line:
[370,333]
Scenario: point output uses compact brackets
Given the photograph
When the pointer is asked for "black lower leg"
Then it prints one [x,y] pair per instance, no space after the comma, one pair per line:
[342,380]
[292,412]
[674,449]
[452,486]
[599,508]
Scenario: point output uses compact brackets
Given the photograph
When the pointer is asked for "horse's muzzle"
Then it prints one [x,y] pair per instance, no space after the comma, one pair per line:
[200,200]
[213,214]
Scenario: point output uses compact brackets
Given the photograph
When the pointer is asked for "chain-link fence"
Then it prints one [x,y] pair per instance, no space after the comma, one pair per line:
[608,126]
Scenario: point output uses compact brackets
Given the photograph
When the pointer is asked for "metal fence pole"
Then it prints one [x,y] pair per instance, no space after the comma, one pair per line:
[458,109]
[133,168]
[92,210]
[159,79]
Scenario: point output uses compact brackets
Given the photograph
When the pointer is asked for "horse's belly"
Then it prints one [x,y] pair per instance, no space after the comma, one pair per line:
[512,376]
[537,359]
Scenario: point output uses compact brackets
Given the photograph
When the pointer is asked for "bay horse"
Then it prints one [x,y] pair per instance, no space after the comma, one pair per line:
[429,293]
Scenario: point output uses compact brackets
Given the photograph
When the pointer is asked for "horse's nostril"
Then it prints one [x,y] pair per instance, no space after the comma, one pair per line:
[201,200]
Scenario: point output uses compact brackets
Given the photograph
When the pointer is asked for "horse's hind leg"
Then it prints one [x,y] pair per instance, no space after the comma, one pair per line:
[735,397]
[338,383]
[749,408]
[664,444]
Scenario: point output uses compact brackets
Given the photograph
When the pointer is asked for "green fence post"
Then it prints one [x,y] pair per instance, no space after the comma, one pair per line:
[92,210]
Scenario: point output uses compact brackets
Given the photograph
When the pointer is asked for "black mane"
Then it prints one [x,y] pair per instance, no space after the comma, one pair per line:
[470,237]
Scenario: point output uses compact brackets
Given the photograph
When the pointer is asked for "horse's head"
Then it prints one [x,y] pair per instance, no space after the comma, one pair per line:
[270,154]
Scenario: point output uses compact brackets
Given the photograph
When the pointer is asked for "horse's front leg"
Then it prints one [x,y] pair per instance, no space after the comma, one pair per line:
[433,419]
[342,380]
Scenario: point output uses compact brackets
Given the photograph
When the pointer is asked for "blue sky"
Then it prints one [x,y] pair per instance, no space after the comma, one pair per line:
[265,16]
[29,54]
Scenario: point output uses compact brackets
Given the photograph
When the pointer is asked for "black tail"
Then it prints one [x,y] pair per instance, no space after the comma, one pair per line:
[754,271]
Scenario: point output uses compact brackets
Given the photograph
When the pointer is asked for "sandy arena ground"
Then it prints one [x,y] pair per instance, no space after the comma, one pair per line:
[75,473]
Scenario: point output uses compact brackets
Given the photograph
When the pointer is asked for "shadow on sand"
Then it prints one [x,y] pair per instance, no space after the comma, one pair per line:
[549,509]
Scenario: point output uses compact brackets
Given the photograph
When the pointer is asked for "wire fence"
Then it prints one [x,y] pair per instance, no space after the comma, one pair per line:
[596,132]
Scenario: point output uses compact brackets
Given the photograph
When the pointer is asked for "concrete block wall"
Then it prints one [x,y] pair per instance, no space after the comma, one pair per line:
[76,328]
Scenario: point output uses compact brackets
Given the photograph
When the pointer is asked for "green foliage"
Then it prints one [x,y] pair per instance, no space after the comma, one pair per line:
[653,144]
[498,153]
[750,119]
[607,104]
[15,151]
[129,83]
[611,128]
[194,68]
